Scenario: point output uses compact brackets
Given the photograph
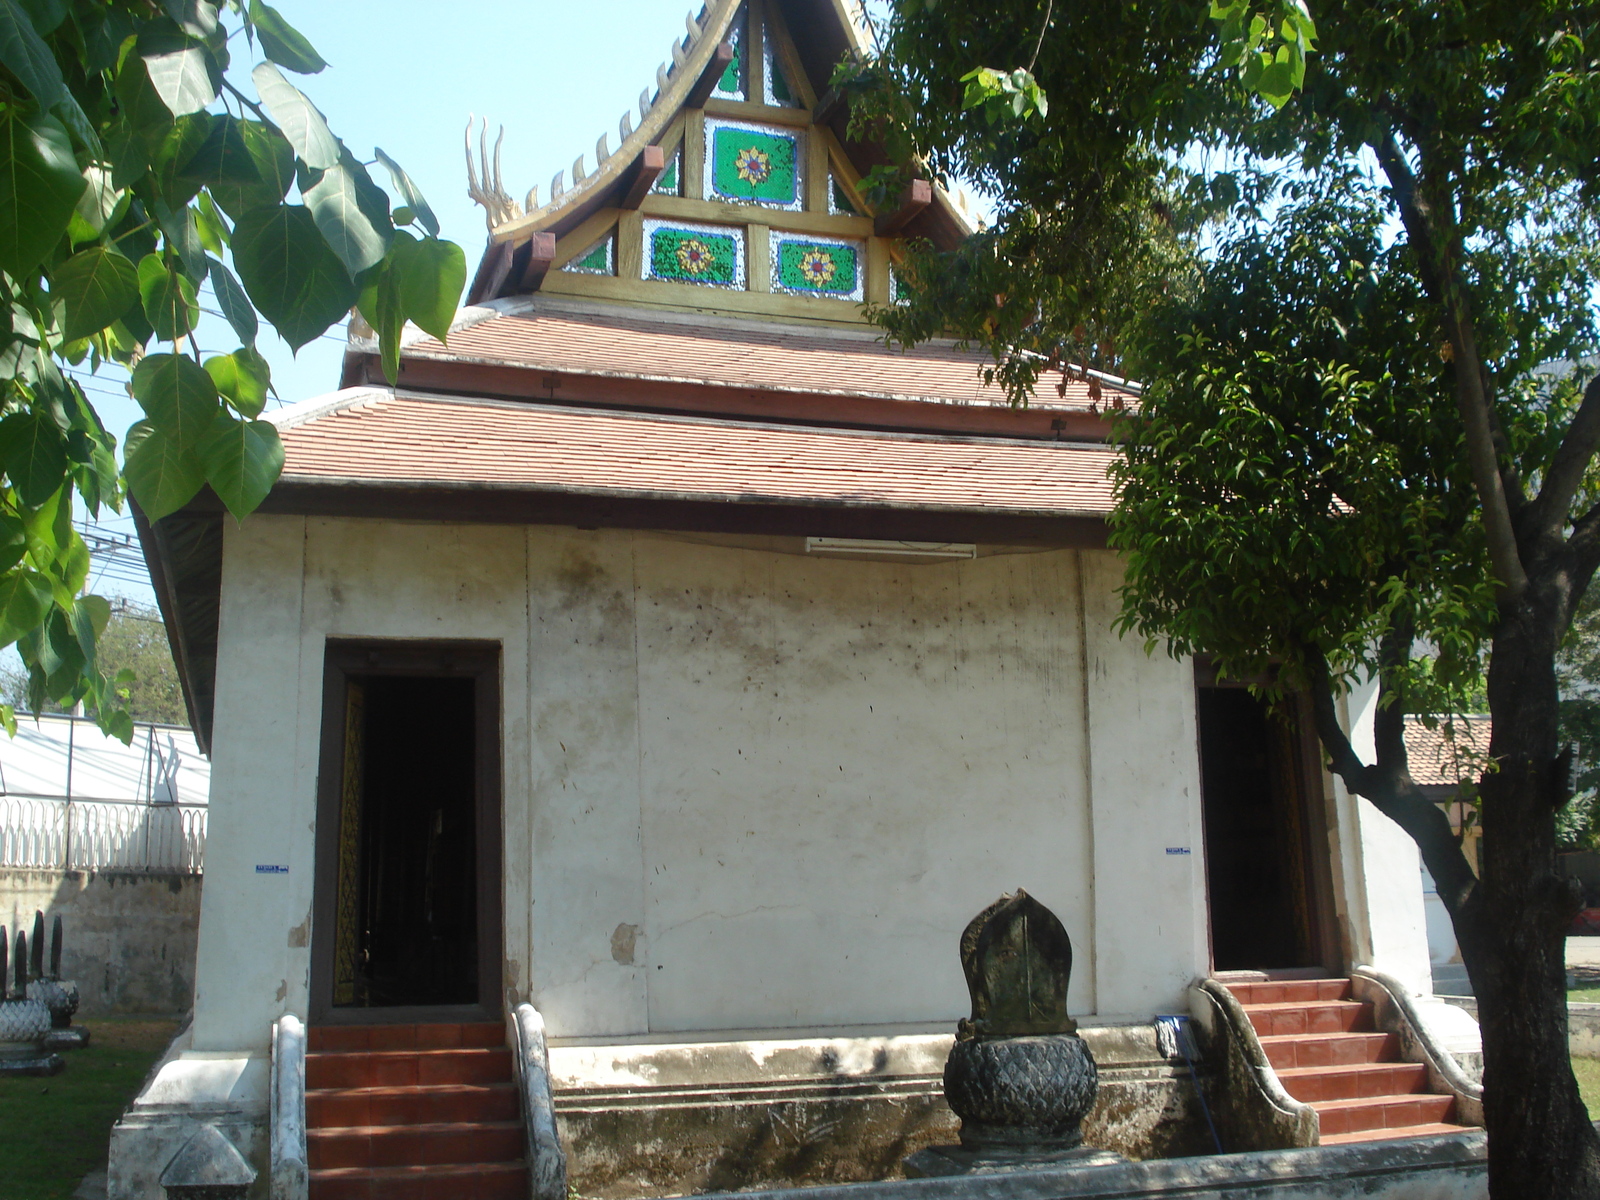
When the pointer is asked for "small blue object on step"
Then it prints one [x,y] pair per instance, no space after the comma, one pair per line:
[1174,1039]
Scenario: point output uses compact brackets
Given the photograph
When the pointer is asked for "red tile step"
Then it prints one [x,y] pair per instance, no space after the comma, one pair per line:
[1330,1049]
[1383,1112]
[412,1112]
[407,1068]
[508,1181]
[469,1103]
[472,1036]
[1378,1135]
[1312,1084]
[1327,1054]
[1296,1017]
[1288,990]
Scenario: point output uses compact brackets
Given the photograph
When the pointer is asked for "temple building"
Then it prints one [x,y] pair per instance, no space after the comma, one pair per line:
[666,653]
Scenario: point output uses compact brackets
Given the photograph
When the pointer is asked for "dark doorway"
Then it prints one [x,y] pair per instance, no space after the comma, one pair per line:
[408,835]
[1262,865]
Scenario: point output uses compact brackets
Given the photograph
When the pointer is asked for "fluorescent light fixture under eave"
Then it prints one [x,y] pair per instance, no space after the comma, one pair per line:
[873,548]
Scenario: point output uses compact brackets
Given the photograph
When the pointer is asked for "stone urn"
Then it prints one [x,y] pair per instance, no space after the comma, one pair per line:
[1019,1076]
[58,995]
[24,1023]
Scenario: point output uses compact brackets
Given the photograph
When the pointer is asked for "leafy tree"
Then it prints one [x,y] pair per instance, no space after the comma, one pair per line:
[132,652]
[1336,252]
[135,166]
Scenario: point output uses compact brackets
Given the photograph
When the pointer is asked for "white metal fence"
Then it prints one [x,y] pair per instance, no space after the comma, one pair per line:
[96,835]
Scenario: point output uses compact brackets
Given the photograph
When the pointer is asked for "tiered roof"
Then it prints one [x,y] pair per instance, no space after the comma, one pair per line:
[677,340]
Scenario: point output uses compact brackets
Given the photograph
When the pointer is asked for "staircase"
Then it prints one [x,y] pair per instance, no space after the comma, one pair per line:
[1327,1054]
[412,1112]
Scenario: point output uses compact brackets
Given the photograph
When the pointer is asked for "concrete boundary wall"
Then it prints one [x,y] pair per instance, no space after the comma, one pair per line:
[129,937]
[1440,1168]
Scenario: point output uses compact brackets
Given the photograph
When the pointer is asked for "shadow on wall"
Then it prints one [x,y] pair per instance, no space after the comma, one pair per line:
[128,937]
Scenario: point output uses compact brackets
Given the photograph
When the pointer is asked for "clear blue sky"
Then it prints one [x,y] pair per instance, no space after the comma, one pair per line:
[404,75]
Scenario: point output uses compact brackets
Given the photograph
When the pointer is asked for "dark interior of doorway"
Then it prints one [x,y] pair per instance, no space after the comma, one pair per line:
[1256,845]
[417,893]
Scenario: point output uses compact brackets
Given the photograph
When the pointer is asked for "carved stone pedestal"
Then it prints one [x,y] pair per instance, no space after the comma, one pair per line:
[1019,1076]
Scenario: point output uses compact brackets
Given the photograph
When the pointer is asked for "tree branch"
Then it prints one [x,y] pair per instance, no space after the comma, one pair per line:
[1388,784]
[1548,512]
[1472,399]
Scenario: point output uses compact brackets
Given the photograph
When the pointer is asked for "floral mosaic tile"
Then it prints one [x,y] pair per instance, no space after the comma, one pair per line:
[679,252]
[753,164]
[818,267]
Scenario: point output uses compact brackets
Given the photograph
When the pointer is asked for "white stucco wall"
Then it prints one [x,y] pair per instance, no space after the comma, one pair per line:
[1382,871]
[744,789]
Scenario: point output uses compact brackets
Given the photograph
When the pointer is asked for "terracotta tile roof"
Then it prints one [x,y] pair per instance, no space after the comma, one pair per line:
[373,436]
[745,354]
[1435,759]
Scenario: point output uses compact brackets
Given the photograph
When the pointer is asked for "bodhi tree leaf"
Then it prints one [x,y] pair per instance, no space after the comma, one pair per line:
[410,193]
[24,601]
[34,457]
[179,397]
[235,305]
[431,274]
[243,459]
[181,68]
[242,378]
[27,57]
[349,216]
[299,119]
[273,159]
[39,187]
[282,42]
[169,300]
[162,475]
[224,157]
[95,287]
[290,272]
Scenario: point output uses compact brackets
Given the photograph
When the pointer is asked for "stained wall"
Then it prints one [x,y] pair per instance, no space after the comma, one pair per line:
[744,788]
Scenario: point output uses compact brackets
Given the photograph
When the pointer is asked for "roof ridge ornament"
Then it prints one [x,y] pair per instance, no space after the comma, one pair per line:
[483,180]
[703,33]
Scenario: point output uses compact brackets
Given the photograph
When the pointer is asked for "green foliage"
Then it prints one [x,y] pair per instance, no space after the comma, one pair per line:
[134,169]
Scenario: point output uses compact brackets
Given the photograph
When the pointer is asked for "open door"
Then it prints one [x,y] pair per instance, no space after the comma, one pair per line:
[1268,878]
[407,917]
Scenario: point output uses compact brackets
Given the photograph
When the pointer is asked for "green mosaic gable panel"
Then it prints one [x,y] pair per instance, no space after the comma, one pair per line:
[818,267]
[779,94]
[839,200]
[753,164]
[599,259]
[678,252]
[671,181]
[731,85]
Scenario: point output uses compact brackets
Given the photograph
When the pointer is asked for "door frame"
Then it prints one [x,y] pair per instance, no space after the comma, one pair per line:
[475,660]
[1317,882]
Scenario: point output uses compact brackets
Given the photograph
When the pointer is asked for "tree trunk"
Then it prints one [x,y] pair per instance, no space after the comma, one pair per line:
[1512,931]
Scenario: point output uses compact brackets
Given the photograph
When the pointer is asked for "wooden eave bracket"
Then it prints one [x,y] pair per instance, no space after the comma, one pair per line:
[528,264]
[829,105]
[721,58]
[917,196]
[645,173]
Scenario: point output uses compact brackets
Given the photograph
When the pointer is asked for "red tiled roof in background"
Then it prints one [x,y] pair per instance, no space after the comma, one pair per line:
[1438,761]
[439,441]
[738,354]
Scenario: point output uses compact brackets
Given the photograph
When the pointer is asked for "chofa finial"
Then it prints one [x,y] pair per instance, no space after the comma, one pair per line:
[483,178]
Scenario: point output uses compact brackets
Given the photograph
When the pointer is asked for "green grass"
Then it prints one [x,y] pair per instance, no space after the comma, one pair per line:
[56,1129]
[1583,995]
[1588,1072]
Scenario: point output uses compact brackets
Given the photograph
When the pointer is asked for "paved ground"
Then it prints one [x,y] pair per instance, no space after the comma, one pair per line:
[1583,960]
